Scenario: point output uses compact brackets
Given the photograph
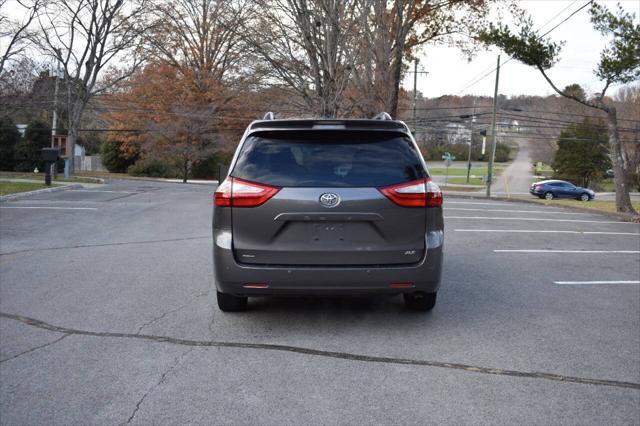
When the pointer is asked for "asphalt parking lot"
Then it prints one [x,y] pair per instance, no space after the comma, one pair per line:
[108,315]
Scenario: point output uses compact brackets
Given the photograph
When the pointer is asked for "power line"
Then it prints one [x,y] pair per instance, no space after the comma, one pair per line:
[474,82]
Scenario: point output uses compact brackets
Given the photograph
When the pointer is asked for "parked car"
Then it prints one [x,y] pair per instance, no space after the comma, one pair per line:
[315,207]
[551,189]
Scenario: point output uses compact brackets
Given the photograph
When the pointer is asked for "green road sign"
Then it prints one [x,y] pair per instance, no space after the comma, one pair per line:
[448,157]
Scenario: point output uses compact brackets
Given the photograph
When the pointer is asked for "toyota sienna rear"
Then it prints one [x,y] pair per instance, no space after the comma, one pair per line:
[318,207]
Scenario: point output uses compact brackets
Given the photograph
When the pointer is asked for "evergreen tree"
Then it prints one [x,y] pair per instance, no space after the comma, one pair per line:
[583,154]
[29,149]
[9,137]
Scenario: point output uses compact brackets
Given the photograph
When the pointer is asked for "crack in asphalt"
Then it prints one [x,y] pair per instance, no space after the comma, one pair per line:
[103,245]
[163,377]
[36,348]
[158,318]
[327,354]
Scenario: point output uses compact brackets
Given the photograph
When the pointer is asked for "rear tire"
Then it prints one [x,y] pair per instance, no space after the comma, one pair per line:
[231,303]
[549,196]
[585,197]
[420,301]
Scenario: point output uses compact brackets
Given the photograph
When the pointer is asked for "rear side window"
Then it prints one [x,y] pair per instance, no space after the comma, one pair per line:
[329,158]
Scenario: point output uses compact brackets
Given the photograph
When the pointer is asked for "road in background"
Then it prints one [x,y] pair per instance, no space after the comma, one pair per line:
[121,278]
[517,177]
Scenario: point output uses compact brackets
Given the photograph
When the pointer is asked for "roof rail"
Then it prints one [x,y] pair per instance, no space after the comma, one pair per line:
[382,116]
[269,116]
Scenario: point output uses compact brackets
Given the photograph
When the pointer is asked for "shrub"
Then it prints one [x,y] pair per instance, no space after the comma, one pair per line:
[113,158]
[209,168]
[152,167]
[502,152]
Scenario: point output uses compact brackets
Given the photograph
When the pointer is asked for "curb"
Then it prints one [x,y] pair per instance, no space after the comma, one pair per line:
[39,191]
[620,216]
[162,180]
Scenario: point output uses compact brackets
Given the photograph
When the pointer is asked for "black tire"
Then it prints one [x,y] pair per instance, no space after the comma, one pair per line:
[420,301]
[231,303]
[584,197]
[549,195]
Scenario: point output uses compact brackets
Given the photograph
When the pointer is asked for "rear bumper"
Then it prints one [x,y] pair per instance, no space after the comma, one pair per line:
[231,276]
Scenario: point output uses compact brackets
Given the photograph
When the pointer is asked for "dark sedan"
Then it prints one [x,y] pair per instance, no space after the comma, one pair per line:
[551,189]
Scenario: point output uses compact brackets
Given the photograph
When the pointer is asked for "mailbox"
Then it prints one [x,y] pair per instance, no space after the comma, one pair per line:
[50,155]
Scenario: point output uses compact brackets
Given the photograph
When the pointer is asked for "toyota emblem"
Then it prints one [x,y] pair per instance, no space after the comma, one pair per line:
[329,199]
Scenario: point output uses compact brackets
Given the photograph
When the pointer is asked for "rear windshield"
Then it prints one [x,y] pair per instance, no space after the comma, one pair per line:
[329,158]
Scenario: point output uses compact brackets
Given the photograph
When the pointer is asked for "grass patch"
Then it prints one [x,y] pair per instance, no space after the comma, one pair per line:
[7,188]
[463,180]
[460,171]
[598,205]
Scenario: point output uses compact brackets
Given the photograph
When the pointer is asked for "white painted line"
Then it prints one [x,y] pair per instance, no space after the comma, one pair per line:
[100,190]
[51,208]
[525,231]
[570,251]
[594,282]
[538,219]
[517,211]
[494,203]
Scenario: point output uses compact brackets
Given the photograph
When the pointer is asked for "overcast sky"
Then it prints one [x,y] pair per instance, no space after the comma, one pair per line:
[449,72]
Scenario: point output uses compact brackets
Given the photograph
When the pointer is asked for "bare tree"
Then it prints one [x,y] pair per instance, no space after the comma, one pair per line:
[88,37]
[393,30]
[308,46]
[15,35]
[190,136]
[201,40]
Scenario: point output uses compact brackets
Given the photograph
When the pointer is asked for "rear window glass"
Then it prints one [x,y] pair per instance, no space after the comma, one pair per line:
[329,158]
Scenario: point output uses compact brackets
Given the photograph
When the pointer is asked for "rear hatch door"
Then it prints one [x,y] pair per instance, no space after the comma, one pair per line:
[328,209]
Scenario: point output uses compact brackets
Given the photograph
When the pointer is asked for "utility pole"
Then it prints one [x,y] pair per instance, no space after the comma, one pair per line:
[493,132]
[469,159]
[415,90]
[54,124]
[473,121]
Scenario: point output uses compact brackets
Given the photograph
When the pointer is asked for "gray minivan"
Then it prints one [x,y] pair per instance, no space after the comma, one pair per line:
[315,207]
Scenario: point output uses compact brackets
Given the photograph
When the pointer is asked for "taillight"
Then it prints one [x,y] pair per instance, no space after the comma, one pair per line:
[538,188]
[240,193]
[417,193]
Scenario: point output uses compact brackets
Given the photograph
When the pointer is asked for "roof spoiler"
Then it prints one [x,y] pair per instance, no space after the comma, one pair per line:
[382,116]
[269,116]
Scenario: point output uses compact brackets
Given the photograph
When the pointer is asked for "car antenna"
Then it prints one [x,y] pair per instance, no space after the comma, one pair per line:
[269,116]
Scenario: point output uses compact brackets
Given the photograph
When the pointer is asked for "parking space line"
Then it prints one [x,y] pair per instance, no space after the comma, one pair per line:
[537,219]
[517,211]
[48,208]
[568,251]
[594,282]
[106,190]
[490,203]
[545,231]
[474,203]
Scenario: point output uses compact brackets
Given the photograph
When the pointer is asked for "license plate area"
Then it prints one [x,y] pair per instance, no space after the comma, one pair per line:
[329,232]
